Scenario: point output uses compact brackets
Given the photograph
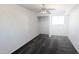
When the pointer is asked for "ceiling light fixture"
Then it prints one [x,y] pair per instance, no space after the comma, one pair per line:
[45,10]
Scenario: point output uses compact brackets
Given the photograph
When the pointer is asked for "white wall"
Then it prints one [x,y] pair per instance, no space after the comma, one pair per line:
[74,28]
[17,27]
[44,25]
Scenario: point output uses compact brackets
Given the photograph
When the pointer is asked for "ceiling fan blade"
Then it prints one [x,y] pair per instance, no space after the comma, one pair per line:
[51,9]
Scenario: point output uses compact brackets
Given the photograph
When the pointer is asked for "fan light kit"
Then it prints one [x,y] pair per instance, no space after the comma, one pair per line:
[45,10]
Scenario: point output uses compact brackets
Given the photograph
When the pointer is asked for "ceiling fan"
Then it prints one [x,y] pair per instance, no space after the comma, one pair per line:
[45,10]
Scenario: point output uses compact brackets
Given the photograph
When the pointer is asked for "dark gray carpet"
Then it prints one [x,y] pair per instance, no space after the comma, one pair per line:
[45,45]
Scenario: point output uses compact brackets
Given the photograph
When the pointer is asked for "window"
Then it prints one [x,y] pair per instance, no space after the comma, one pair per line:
[57,19]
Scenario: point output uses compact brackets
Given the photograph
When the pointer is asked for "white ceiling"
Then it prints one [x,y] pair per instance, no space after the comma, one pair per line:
[58,7]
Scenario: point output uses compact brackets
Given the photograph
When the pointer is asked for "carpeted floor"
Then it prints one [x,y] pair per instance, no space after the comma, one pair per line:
[45,45]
